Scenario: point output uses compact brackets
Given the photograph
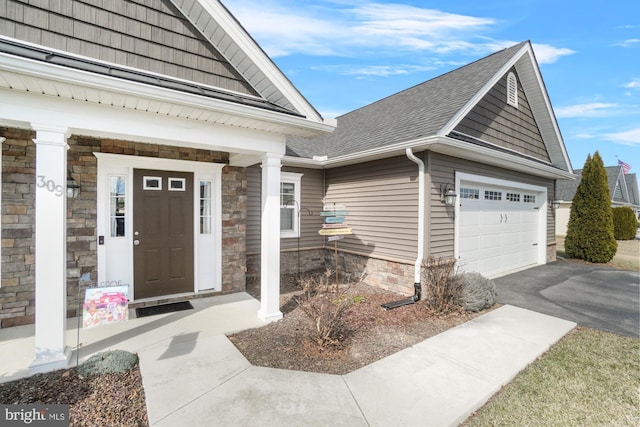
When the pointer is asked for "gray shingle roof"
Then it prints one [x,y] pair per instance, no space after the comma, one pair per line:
[416,112]
[566,189]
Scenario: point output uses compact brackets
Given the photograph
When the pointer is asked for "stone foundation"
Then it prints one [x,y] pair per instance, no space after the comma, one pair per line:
[390,275]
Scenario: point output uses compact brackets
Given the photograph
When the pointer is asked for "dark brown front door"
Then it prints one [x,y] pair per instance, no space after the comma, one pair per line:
[162,233]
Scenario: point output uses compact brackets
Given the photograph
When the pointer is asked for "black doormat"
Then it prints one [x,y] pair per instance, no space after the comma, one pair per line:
[162,309]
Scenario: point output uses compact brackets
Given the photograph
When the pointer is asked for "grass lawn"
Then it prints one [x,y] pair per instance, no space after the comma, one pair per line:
[627,256]
[589,378]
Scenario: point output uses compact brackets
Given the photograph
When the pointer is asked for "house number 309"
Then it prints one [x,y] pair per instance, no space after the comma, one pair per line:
[50,185]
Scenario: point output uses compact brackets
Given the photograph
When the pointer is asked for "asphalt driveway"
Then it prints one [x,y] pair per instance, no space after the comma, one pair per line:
[593,296]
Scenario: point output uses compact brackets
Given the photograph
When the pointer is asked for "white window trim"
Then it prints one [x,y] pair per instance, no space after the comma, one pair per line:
[512,89]
[296,180]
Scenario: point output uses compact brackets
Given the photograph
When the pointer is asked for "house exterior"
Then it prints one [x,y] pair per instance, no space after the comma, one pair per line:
[155,109]
[486,131]
[623,189]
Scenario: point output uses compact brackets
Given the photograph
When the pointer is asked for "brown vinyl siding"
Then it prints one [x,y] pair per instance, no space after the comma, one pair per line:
[382,200]
[440,222]
[146,34]
[310,207]
[493,120]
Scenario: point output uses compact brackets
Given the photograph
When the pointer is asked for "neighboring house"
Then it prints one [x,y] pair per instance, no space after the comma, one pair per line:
[486,131]
[623,189]
[155,108]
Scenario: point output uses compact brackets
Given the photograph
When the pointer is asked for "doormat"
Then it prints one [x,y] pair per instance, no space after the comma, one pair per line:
[162,309]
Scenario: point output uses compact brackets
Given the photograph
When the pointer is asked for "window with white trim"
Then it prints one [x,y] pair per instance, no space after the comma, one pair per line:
[512,90]
[206,186]
[290,204]
[529,198]
[117,205]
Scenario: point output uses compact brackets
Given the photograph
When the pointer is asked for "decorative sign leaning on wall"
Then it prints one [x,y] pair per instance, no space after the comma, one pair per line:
[335,227]
[105,305]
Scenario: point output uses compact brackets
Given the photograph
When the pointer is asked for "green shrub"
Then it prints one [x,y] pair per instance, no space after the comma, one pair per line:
[590,230]
[478,292]
[625,224]
[109,362]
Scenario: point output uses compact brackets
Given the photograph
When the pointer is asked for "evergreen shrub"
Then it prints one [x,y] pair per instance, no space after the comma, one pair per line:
[590,231]
[625,224]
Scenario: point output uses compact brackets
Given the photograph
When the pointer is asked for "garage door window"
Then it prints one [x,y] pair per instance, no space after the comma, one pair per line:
[492,195]
[513,197]
[470,193]
[529,198]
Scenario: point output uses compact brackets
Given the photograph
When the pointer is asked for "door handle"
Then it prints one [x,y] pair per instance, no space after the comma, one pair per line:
[136,242]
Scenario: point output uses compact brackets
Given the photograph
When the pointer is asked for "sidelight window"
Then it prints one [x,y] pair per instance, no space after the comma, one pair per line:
[117,205]
[205,206]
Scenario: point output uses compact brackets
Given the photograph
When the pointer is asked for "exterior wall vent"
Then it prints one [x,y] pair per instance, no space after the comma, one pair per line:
[512,90]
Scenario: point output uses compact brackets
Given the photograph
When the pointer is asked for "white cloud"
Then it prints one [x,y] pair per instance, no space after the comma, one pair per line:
[629,43]
[359,29]
[594,109]
[585,135]
[374,70]
[633,84]
[546,54]
[629,137]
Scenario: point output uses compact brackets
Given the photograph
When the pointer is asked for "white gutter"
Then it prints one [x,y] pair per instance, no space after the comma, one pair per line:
[418,264]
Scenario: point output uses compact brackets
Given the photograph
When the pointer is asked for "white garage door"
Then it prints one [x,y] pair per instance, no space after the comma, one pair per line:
[498,228]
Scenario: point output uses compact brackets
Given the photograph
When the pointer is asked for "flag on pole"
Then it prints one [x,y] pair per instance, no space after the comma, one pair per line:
[625,167]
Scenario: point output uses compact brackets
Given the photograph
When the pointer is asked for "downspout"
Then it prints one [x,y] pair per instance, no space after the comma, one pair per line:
[418,264]
[417,269]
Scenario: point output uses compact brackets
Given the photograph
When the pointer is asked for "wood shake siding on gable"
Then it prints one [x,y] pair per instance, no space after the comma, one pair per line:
[382,200]
[493,120]
[146,34]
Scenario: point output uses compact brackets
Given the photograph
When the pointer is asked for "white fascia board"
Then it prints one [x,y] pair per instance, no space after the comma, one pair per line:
[465,150]
[79,78]
[541,92]
[106,121]
[246,43]
[443,145]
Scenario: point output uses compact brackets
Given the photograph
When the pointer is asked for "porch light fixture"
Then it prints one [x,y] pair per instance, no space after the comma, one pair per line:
[555,204]
[73,188]
[447,194]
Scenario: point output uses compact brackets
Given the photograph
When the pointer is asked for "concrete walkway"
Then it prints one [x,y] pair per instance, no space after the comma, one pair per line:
[194,376]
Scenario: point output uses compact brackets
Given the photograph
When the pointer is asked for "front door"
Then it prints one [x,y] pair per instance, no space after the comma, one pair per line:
[162,233]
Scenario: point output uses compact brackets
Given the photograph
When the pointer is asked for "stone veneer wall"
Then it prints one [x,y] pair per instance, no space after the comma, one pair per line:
[391,275]
[17,305]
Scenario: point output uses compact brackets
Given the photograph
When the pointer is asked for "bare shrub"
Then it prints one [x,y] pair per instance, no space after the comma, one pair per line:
[478,292]
[441,289]
[325,310]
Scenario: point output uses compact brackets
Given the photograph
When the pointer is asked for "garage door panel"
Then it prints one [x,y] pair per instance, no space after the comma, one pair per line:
[497,233]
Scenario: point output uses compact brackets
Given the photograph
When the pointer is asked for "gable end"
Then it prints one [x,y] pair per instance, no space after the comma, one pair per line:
[495,120]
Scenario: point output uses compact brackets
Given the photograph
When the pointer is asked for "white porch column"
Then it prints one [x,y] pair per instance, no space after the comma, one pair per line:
[51,351]
[270,238]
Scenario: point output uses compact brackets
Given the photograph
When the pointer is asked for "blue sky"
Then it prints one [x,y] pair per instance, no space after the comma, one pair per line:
[344,54]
